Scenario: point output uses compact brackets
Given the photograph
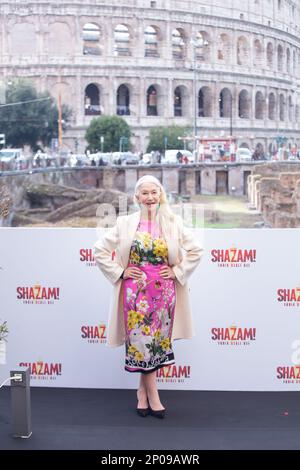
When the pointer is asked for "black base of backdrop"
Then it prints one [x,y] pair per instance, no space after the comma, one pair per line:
[106,420]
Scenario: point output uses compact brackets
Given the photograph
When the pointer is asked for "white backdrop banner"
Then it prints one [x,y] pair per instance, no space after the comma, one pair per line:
[245,298]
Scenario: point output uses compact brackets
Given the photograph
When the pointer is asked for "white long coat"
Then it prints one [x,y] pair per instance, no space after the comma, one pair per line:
[184,254]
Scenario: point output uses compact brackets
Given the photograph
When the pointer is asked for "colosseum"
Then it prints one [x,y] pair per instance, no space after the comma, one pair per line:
[224,67]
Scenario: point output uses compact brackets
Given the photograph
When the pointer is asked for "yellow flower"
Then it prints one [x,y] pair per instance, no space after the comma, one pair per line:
[132,350]
[139,316]
[160,248]
[146,330]
[165,343]
[134,258]
[131,314]
[131,324]
[145,237]
[138,356]
[157,334]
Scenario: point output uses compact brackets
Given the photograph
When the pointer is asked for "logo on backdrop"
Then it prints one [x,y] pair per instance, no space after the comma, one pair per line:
[290,373]
[233,336]
[41,370]
[94,334]
[173,373]
[233,257]
[87,257]
[289,297]
[38,294]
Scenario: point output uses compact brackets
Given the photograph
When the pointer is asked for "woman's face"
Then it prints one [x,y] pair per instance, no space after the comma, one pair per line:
[149,195]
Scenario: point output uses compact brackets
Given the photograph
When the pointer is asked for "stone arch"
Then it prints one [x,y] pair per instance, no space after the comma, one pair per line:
[224,47]
[259,105]
[258,53]
[281,107]
[205,102]
[202,46]
[245,145]
[280,58]
[243,51]
[91,34]
[60,40]
[244,104]
[152,37]
[225,103]
[23,40]
[272,107]
[123,100]
[92,100]
[178,43]
[270,55]
[181,101]
[122,40]
[152,100]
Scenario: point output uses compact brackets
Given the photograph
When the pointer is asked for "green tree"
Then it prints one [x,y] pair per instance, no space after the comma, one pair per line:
[32,123]
[162,138]
[113,129]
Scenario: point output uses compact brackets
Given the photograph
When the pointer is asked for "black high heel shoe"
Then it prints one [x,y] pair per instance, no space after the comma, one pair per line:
[157,413]
[142,411]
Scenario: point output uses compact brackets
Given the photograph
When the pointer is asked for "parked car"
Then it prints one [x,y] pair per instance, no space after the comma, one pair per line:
[131,159]
[243,154]
[125,158]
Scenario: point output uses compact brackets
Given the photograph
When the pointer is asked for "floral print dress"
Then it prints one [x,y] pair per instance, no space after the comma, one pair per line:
[149,303]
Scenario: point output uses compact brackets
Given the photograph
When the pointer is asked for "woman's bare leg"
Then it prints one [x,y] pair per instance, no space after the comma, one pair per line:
[142,393]
[152,392]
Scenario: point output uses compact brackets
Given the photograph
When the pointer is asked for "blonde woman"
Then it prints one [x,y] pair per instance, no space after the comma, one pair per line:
[154,254]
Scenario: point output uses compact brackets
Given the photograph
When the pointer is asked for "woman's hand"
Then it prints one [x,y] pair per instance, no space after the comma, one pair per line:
[166,272]
[132,272]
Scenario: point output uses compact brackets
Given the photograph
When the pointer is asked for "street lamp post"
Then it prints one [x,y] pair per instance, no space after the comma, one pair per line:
[102,142]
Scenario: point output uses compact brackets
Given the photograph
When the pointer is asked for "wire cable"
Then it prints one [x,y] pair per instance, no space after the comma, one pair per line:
[9,378]
[25,102]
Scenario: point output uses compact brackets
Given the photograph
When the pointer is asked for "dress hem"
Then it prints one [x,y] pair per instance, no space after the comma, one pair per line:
[147,371]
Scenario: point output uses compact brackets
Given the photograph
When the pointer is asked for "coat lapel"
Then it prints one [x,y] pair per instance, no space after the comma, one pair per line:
[128,229]
[171,237]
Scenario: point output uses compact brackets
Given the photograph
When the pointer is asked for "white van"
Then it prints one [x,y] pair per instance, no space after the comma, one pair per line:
[243,154]
[13,159]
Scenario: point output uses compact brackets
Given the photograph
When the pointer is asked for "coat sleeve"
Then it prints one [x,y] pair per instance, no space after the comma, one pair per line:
[193,252]
[103,254]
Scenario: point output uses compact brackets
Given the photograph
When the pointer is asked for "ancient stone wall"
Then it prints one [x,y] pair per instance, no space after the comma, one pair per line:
[274,190]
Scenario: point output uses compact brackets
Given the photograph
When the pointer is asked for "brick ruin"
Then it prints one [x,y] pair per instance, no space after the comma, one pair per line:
[274,190]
